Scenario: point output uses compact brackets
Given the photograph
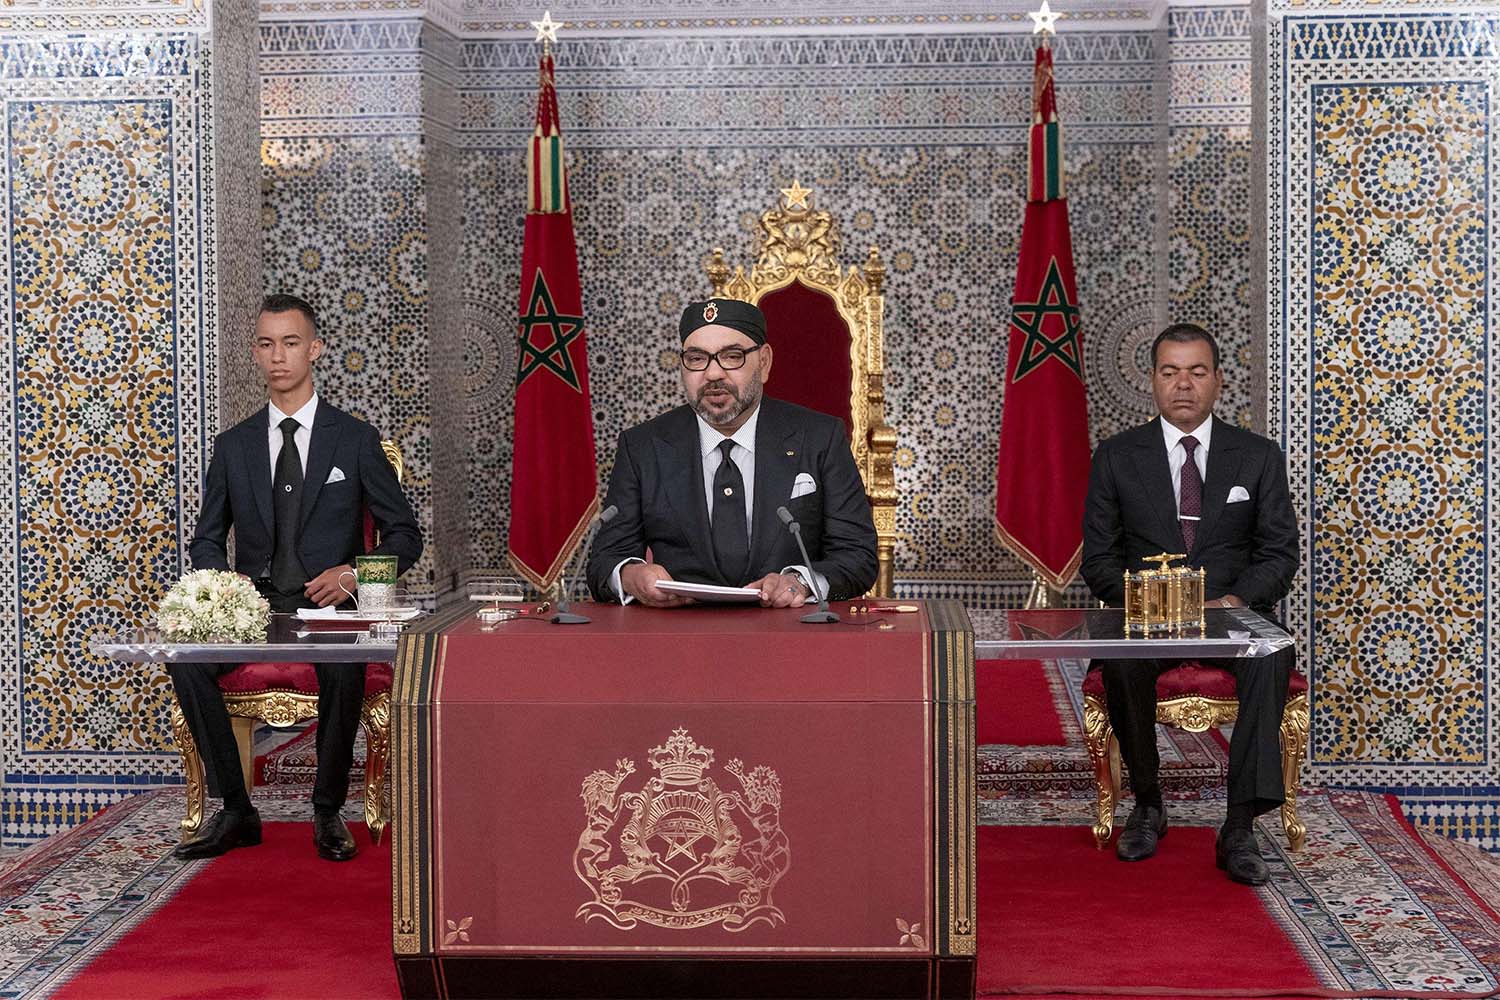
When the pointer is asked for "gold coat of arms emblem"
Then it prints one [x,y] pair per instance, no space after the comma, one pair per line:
[681,851]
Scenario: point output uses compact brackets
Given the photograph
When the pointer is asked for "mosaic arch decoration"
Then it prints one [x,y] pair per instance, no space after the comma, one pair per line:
[1382,233]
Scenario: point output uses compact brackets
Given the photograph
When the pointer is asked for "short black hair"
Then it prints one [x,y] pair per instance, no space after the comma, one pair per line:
[282,302]
[1185,333]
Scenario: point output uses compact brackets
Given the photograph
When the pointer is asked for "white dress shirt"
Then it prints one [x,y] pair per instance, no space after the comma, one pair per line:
[743,455]
[302,435]
[1177,454]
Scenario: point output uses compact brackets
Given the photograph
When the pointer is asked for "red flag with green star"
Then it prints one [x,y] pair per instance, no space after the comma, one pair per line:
[1043,471]
[554,481]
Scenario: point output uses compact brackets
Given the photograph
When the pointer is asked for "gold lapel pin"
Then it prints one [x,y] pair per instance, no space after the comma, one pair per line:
[790,454]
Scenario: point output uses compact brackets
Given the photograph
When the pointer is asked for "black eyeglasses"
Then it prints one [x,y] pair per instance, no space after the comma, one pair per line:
[729,358]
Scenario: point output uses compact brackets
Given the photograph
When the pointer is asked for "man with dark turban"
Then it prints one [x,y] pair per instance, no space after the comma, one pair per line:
[697,488]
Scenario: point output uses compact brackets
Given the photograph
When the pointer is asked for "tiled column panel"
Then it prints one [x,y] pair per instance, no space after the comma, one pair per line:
[1382,237]
[111,332]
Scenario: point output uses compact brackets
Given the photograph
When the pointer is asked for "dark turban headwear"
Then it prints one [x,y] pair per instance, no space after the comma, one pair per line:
[733,313]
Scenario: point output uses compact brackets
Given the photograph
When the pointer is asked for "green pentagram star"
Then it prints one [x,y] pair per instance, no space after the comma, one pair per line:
[541,313]
[1038,347]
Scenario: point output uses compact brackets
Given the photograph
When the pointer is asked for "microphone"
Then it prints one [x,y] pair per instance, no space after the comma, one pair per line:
[564,616]
[822,616]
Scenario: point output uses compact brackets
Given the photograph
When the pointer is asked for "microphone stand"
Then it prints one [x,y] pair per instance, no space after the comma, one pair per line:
[822,616]
[564,615]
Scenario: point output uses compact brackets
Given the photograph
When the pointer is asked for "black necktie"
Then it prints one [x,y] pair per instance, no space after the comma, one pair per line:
[1190,494]
[731,543]
[287,574]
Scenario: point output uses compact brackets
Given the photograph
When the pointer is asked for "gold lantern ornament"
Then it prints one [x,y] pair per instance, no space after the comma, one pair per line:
[1163,598]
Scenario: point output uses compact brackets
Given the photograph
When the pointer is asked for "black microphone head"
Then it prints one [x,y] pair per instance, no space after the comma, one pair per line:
[608,514]
[784,514]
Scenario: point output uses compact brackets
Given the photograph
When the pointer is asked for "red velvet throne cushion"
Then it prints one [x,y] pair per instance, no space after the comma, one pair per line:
[249,678]
[1190,678]
[811,342]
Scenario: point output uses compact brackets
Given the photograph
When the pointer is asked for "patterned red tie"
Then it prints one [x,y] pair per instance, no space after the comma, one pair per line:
[1190,494]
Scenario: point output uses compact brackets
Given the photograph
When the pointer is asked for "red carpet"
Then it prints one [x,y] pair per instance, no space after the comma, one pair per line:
[1059,916]
[1015,704]
[323,929]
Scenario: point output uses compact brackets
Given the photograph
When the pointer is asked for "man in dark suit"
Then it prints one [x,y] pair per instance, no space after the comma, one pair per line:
[698,487]
[293,481]
[1189,483]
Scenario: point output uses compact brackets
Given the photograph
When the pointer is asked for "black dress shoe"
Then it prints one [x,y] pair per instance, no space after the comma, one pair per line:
[332,837]
[1146,825]
[225,830]
[1237,852]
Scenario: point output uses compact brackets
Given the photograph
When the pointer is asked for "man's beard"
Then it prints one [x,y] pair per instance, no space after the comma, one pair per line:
[732,412]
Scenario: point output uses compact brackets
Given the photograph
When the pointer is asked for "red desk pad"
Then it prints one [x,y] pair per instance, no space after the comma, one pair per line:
[724,781]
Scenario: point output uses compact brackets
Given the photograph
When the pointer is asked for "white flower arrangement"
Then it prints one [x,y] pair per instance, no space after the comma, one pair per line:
[213,605]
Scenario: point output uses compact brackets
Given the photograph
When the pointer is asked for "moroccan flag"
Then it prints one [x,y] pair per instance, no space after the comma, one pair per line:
[554,482]
[1043,470]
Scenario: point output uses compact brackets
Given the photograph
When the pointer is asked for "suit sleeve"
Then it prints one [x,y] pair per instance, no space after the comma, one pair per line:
[208,549]
[1103,565]
[625,536]
[849,559]
[1275,553]
[400,535]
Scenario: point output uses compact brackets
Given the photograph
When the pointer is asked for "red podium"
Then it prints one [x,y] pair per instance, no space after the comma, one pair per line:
[696,802]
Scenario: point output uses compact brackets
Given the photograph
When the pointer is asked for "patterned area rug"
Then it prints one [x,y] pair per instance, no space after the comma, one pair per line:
[293,760]
[67,899]
[1192,764]
[1370,905]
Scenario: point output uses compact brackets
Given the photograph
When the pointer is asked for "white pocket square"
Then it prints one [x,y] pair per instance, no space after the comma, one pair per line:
[803,485]
[337,476]
[1237,494]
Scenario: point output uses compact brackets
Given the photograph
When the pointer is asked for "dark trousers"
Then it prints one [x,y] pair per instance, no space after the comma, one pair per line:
[341,692]
[1255,748]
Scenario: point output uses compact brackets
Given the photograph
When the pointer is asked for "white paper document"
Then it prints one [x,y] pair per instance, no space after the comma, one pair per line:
[335,615]
[710,593]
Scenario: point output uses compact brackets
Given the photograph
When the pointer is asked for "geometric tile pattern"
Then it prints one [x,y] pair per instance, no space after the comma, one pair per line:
[1208,247]
[344,223]
[932,174]
[1381,237]
[108,395]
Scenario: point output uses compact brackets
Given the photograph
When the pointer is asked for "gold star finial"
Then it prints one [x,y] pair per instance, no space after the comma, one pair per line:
[796,195]
[1045,20]
[546,28]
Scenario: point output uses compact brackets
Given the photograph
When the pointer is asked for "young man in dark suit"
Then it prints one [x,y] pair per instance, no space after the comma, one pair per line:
[293,481]
[699,485]
[1187,482]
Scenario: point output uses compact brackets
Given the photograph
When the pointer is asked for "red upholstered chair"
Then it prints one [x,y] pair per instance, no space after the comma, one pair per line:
[825,327]
[1194,697]
[285,694]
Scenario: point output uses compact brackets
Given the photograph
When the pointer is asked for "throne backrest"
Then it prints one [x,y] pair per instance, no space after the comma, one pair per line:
[825,327]
[392,452]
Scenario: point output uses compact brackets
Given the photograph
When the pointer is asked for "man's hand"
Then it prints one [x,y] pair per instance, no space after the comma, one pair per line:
[324,589]
[639,580]
[781,590]
[1227,601]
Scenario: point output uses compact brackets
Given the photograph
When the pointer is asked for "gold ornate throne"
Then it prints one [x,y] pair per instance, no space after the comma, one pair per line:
[286,694]
[826,328]
[1193,697]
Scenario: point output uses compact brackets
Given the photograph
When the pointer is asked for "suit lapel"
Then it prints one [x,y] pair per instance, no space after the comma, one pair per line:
[775,472]
[1156,477]
[255,441]
[681,466]
[1224,458]
[320,451]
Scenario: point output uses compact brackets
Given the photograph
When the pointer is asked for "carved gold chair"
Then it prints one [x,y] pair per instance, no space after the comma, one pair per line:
[825,327]
[1193,697]
[286,694]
